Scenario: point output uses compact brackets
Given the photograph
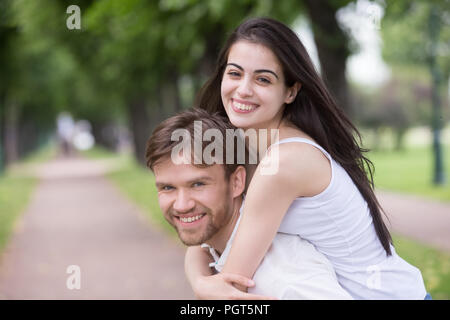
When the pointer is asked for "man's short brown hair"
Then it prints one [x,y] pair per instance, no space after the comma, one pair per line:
[160,144]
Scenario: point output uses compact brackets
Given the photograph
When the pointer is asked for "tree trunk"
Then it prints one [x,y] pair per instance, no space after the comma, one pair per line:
[399,138]
[437,119]
[2,130]
[140,127]
[105,134]
[332,47]
[11,132]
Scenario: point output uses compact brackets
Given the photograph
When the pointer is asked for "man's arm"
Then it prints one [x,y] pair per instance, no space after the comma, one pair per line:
[196,264]
[218,286]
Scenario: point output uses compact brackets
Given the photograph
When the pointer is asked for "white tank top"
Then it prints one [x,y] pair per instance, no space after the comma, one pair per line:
[338,223]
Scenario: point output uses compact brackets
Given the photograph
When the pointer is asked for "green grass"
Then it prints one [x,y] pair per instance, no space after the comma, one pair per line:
[434,265]
[15,193]
[137,183]
[410,171]
[16,187]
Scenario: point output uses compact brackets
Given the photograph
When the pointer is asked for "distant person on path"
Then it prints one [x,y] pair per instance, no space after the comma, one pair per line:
[65,127]
[265,80]
[203,203]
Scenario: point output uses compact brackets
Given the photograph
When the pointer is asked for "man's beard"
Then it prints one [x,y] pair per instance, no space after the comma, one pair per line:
[216,220]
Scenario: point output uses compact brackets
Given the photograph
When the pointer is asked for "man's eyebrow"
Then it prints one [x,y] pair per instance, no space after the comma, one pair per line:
[202,178]
[161,184]
[256,71]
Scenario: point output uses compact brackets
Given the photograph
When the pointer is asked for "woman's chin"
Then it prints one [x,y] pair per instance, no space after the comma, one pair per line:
[241,124]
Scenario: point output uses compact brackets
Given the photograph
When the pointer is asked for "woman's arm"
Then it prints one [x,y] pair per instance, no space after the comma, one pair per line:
[267,200]
[208,286]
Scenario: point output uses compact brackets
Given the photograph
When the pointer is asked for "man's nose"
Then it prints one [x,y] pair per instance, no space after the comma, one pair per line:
[245,87]
[183,203]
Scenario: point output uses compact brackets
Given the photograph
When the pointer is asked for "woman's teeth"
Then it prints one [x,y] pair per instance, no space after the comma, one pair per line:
[191,219]
[243,107]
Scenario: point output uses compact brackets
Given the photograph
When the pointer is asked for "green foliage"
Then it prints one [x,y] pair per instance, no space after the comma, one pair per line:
[405,30]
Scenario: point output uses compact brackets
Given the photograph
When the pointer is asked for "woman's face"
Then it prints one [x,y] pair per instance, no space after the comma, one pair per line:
[253,87]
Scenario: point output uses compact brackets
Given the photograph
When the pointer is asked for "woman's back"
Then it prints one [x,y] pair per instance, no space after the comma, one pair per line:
[338,222]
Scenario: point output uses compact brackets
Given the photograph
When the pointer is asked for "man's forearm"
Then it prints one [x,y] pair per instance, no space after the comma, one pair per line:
[196,264]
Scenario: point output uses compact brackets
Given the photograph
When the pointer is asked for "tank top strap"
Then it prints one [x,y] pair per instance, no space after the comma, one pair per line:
[302,140]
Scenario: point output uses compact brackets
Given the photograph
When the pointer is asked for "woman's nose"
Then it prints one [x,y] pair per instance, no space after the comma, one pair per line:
[183,202]
[245,88]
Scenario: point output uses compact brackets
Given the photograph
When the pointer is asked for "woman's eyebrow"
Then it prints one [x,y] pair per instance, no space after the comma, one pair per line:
[256,71]
[236,65]
[265,70]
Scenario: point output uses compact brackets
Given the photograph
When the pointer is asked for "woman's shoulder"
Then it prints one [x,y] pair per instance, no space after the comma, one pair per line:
[300,151]
[303,165]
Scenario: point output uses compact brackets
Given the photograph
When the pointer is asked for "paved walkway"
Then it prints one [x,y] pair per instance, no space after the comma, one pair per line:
[425,220]
[77,217]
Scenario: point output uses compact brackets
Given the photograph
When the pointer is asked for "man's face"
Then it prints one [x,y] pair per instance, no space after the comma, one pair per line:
[197,202]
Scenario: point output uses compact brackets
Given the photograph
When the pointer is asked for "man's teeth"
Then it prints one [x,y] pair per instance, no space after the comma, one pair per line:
[243,107]
[191,219]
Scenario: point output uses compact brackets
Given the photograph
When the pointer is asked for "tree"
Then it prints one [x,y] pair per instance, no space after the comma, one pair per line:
[424,41]
[332,45]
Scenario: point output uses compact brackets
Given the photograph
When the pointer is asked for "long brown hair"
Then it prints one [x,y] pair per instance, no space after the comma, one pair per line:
[314,110]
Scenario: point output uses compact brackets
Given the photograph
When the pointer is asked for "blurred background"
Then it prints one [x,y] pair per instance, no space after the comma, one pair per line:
[91,79]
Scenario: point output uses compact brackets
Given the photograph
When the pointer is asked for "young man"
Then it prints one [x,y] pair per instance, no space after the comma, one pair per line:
[203,203]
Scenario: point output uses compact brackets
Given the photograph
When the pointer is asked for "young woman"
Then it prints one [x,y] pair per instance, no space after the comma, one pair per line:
[265,80]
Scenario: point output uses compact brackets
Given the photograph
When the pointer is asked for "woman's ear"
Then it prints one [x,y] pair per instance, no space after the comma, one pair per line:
[237,181]
[292,92]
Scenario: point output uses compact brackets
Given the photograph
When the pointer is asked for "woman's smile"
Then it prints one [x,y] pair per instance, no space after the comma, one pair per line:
[242,106]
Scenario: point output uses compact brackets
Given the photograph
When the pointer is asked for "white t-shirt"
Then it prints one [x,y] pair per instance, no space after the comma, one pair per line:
[291,269]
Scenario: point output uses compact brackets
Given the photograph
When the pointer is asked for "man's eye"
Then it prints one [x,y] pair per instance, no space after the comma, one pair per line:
[166,188]
[198,184]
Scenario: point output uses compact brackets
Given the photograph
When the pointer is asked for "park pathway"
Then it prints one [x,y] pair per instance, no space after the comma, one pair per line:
[421,219]
[77,217]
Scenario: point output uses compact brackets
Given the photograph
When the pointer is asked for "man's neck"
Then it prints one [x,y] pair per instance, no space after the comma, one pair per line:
[220,239]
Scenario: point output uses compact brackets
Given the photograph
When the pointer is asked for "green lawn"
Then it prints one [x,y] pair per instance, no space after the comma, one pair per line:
[16,187]
[434,265]
[410,171]
[15,193]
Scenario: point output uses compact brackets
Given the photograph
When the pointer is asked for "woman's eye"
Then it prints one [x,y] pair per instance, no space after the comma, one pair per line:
[233,73]
[264,80]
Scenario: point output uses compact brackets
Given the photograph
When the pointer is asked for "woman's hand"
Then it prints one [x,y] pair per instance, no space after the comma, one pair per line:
[221,287]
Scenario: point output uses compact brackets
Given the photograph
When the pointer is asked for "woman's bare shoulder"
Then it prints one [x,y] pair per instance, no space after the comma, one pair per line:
[304,167]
